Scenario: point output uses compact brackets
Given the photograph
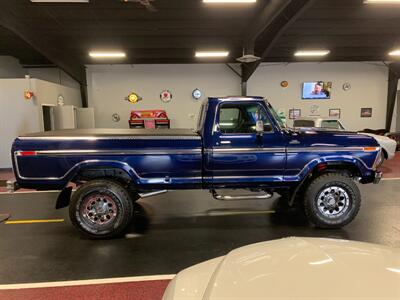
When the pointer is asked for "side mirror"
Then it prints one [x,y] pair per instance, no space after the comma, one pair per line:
[259,127]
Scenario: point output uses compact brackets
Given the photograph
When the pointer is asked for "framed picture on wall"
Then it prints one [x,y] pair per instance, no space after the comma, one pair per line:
[294,113]
[366,112]
[334,113]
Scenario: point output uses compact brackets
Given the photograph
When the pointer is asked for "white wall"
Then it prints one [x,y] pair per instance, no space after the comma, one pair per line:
[368,82]
[18,116]
[109,85]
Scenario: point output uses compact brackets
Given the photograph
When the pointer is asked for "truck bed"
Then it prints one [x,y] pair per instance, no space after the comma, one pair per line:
[99,132]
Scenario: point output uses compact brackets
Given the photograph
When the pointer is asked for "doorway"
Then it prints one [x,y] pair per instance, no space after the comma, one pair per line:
[48,118]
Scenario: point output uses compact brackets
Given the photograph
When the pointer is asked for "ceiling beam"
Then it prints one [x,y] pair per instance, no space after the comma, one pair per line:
[11,17]
[268,14]
[281,19]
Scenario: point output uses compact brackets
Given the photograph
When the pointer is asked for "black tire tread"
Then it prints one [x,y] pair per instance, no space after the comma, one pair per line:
[314,188]
[126,201]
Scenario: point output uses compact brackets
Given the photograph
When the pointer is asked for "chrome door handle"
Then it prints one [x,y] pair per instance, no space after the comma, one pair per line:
[225,142]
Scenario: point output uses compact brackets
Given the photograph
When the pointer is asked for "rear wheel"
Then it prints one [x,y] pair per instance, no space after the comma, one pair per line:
[101,209]
[332,200]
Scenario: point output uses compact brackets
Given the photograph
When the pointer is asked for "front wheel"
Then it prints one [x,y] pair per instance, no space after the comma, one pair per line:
[332,200]
[101,209]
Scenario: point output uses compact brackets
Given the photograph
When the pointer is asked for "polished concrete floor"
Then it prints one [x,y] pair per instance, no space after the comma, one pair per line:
[171,231]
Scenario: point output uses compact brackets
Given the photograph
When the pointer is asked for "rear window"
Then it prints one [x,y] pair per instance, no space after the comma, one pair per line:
[331,124]
[303,123]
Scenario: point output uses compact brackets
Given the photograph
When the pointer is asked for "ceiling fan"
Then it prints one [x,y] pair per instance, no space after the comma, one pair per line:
[146,3]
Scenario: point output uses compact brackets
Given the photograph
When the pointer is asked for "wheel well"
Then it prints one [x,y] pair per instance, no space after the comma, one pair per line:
[101,172]
[340,167]
[322,168]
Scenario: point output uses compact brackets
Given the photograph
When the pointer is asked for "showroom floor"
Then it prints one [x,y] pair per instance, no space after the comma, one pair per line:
[171,232]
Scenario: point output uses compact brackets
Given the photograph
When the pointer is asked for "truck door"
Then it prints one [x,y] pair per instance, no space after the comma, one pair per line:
[240,156]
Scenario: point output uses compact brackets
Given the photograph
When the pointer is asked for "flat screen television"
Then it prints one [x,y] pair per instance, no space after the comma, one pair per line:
[317,90]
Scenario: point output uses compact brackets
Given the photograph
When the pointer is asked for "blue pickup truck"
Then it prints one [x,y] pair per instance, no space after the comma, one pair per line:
[240,143]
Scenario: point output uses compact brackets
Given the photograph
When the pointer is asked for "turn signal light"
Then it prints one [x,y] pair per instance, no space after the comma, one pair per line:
[369,149]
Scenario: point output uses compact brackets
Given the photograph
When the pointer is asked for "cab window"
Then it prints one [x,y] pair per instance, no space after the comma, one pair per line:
[331,124]
[242,118]
[303,123]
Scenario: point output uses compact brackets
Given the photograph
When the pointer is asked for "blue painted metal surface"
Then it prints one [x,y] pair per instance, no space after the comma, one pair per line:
[280,158]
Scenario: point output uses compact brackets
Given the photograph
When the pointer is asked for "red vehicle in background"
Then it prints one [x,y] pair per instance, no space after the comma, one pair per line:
[149,119]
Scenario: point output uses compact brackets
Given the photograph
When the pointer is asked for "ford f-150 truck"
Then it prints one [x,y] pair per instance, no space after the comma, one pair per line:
[240,143]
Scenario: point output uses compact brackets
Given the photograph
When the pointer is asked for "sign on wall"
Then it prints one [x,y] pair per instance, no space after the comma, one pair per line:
[166,96]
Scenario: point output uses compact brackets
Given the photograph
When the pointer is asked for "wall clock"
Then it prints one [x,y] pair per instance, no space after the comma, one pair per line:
[196,94]
[166,96]
[116,117]
[314,110]
[60,100]
[346,86]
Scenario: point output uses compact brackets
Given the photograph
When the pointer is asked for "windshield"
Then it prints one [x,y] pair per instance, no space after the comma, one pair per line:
[278,120]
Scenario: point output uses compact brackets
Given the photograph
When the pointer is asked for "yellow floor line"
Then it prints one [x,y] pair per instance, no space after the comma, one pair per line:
[33,221]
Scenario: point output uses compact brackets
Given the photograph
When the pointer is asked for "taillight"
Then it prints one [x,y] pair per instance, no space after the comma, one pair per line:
[27,153]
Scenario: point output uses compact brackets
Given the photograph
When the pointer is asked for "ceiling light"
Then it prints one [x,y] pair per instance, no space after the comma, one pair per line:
[395,53]
[212,53]
[229,1]
[107,54]
[312,53]
[61,1]
[382,1]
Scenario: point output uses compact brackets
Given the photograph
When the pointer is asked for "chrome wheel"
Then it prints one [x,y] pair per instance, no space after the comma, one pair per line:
[333,201]
[98,210]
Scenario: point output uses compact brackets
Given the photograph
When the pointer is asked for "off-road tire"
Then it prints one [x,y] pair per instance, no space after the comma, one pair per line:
[116,194]
[320,184]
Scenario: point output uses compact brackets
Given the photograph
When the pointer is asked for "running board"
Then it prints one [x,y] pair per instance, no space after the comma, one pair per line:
[151,194]
[217,196]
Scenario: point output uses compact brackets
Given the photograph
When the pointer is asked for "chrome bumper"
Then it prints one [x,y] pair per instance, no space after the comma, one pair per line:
[378,177]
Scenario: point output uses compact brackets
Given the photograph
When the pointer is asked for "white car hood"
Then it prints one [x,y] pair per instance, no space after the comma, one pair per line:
[300,268]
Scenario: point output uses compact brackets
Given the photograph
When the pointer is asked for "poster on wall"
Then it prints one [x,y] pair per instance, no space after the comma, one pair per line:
[366,112]
[334,113]
[294,113]
[317,90]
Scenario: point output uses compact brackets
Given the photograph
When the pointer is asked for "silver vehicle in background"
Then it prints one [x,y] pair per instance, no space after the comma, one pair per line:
[388,145]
